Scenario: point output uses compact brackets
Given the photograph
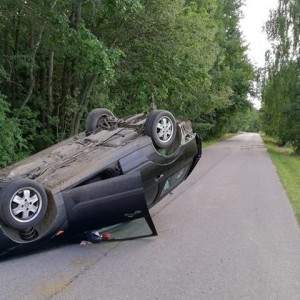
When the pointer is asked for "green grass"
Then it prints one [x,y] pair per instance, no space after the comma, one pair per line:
[214,141]
[288,167]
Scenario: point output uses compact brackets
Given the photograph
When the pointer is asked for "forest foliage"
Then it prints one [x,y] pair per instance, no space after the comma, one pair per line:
[281,83]
[62,58]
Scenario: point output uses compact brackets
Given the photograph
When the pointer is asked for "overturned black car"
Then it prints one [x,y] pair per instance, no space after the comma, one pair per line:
[111,173]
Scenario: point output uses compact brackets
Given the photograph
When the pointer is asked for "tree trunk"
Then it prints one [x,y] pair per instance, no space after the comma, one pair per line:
[74,21]
[5,59]
[13,79]
[32,65]
[42,90]
[31,71]
[83,101]
[61,107]
[50,84]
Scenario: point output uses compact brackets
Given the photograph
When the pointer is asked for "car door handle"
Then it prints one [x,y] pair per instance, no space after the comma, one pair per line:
[159,177]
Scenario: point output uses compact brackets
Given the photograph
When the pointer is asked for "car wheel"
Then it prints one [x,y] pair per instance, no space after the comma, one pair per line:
[23,203]
[161,127]
[97,118]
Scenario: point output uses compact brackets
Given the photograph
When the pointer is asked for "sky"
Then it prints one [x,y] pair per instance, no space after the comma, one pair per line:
[256,13]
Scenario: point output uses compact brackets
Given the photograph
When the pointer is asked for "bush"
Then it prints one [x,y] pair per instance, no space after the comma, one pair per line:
[10,136]
[290,129]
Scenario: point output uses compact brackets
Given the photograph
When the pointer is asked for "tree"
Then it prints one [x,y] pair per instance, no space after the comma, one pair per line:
[247,121]
[232,70]
[60,59]
[187,56]
[281,89]
[10,135]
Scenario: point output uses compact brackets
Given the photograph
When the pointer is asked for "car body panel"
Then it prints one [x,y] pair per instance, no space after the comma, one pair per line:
[105,178]
[107,202]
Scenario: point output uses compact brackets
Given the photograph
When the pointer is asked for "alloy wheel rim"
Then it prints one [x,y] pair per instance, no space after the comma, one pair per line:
[25,204]
[164,129]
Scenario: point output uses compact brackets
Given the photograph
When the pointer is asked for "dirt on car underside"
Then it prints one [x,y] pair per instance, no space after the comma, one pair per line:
[67,162]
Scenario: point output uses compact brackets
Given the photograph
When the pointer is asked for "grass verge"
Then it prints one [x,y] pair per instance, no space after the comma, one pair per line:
[214,141]
[288,167]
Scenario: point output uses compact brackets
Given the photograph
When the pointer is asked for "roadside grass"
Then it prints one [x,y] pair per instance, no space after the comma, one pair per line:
[288,168]
[214,141]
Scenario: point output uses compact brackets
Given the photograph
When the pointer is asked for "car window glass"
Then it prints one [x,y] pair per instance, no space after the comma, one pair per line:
[133,229]
[174,180]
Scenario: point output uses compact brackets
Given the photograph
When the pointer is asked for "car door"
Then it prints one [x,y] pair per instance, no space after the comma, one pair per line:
[107,202]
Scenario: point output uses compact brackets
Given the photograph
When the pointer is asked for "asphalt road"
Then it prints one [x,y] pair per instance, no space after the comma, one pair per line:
[228,232]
